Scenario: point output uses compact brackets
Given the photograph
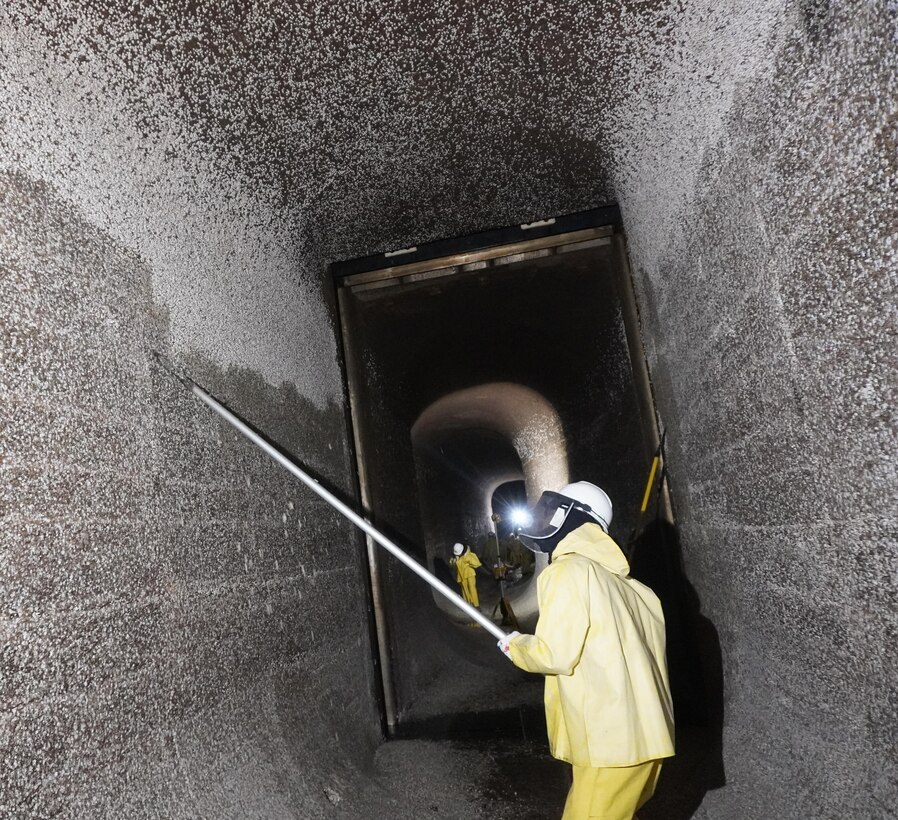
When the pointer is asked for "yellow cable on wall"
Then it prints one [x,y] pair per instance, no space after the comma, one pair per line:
[648,486]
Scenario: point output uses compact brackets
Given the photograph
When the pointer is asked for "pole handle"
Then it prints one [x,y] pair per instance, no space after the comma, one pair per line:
[347,512]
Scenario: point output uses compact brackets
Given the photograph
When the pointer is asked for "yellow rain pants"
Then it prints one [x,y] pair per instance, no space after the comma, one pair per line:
[610,793]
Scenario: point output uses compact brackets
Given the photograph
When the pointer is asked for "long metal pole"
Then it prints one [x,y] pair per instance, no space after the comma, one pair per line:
[338,505]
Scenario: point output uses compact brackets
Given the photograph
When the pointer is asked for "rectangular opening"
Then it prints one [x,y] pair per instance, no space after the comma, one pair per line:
[544,317]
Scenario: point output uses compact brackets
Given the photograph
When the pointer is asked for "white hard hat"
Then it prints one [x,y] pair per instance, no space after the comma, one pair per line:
[556,515]
[594,499]
[458,549]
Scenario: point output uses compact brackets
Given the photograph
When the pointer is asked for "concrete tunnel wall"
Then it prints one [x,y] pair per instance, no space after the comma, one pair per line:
[763,231]
[168,592]
[167,183]
[177,637]
[520,415]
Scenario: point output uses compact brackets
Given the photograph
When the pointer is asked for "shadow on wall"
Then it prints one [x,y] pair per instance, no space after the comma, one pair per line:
[696,677]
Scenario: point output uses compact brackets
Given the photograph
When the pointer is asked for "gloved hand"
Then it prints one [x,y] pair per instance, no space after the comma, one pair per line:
[503,643]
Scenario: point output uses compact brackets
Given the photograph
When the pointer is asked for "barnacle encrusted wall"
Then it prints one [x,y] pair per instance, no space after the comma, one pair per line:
[176,175]
[757,180]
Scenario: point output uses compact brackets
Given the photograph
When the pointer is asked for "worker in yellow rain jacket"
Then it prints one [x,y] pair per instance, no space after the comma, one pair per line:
[600,643]
[466,563]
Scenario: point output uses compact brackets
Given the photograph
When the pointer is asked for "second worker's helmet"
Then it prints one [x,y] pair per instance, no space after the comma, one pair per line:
[556,515]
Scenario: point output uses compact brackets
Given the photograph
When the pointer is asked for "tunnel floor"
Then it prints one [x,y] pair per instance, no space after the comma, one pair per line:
[499,778]
[497,765]
[475,746]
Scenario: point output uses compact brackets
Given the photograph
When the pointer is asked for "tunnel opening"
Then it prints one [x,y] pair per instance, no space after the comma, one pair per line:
[506,503]
[481,372]
[467,443]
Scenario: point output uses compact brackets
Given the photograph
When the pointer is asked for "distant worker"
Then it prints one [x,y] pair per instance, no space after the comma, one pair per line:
[466,563]
[518,556]
[600,643]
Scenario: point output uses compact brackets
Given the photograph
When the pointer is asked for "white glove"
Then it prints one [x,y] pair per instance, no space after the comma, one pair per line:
[503,643]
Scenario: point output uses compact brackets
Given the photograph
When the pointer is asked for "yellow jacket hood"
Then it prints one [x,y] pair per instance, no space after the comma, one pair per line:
[592,542]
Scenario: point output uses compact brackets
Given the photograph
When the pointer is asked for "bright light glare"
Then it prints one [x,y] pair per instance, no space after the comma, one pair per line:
[520,517]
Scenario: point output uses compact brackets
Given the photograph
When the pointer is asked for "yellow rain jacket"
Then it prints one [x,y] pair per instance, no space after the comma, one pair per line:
[466,575]
[600,642]
[465,566]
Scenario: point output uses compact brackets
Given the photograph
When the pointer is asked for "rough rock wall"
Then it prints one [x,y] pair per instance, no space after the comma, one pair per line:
[757,176]
[178,635]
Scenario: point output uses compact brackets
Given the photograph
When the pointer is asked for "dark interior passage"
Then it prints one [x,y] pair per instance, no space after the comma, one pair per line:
[185,632]
[509,503]
[518,369]
[476,347]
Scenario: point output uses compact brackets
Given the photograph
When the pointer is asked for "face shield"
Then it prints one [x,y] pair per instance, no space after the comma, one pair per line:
[554,517]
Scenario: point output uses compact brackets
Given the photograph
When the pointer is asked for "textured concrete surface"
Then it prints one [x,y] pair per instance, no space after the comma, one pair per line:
[177,175]
[238,147]
[162,583]
[760,204]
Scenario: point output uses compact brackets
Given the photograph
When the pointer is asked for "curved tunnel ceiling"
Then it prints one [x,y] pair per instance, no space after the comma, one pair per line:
[478,457]
[520,414]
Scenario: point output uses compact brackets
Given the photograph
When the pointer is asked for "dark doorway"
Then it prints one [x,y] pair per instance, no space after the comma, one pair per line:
[506,367]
